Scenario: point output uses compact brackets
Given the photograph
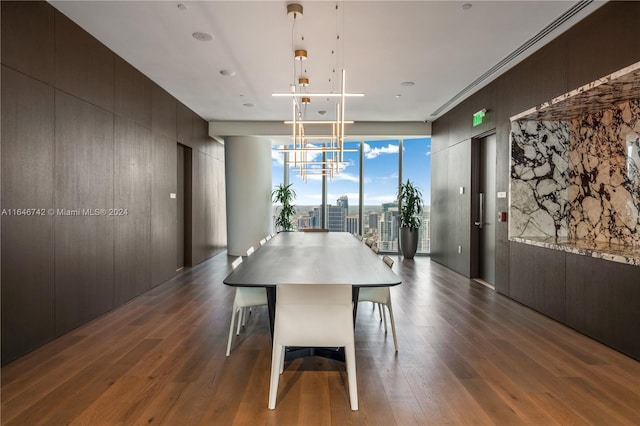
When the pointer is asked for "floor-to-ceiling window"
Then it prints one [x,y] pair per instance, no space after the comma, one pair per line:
[372,182]
[308,189]
[343,193]
[416,166]
[380,186]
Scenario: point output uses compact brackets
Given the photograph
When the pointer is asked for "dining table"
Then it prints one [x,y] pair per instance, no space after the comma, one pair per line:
[312,258]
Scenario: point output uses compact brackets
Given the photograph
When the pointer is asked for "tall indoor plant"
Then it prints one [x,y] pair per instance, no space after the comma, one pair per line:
[284,195]
[411,204]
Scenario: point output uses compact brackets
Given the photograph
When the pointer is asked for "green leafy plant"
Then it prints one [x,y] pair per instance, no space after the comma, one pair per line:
[411,204]
[284,195]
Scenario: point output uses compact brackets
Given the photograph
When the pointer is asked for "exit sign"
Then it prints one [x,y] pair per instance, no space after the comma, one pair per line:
[478,117]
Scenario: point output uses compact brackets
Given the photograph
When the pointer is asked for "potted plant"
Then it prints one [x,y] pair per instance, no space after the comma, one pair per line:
[284,195]
[411,204]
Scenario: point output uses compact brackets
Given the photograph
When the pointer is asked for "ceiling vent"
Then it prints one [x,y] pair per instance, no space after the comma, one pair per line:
[570,13]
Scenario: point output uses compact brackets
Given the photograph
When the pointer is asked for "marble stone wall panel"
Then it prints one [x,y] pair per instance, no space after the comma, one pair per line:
[538,186]
[604,177]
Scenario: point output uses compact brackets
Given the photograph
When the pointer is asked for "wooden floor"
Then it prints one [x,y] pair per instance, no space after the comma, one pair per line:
[467,356]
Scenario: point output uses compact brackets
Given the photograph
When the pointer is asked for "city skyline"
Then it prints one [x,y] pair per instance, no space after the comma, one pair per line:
[380,173]
[380,183]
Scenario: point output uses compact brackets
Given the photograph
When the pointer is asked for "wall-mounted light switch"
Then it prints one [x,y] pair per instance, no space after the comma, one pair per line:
[459,249]
[502,194]
[172,195]
[461,190]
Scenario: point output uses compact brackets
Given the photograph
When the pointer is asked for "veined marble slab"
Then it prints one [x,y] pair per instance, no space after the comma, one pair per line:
[575,170]
[538,184]
[604,178]
[599,250]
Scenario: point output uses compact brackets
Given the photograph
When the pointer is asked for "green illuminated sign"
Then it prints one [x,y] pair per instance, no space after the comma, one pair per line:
[478,117]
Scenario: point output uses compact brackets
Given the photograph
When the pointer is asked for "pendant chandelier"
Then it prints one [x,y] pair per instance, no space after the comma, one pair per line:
[330,144]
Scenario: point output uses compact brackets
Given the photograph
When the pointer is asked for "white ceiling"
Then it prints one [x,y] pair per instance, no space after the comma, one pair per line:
[439,45]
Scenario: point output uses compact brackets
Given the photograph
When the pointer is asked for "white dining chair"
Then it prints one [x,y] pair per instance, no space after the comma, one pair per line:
[245,298]
[263,241]
[268,237]
[381,296]
[319,315]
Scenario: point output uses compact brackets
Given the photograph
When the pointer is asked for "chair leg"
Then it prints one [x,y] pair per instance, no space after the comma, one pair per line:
[393,325]
[282,359]
[233,317]
[379,310]
[350,358]
[384,317]
[276,354]
[240,320]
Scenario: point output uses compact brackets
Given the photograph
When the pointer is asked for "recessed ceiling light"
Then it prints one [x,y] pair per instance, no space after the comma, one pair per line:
[322,112]
[248,105]
[467,6]
[398,95]
[227,73]
[183,7]
[407,83]
[202,36]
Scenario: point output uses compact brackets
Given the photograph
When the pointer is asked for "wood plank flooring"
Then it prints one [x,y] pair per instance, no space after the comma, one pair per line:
[467,356]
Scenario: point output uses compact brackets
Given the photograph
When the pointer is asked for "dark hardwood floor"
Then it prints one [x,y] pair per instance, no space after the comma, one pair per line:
[467,356]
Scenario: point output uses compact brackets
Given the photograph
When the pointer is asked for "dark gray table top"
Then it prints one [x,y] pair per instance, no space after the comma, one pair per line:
[313,258]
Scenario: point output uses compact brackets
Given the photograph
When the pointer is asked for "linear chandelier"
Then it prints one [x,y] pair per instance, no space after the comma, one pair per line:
[330,144]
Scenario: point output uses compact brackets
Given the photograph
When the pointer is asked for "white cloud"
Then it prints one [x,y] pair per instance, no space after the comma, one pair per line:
[277,157]
[346,176]
[371,153]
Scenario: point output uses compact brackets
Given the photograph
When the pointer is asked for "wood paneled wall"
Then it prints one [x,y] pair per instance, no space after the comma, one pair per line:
[603,42]
[83,129]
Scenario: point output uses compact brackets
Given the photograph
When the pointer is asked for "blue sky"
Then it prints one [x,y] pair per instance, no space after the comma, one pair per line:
[380,173]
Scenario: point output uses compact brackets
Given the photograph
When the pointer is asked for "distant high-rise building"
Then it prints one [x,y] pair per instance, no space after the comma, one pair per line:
[373,221]
[352,224]
[388,229]
[343,202]
[389,206]
[303,222]
[315,218]
[336,219]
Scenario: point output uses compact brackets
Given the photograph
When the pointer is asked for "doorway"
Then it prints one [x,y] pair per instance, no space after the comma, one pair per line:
[183,201]
[484,211]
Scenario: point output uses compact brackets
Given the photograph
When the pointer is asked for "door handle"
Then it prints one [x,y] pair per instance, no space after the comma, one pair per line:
[480,221]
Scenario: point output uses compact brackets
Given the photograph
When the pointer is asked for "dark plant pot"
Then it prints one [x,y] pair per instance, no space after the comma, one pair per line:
[408,242]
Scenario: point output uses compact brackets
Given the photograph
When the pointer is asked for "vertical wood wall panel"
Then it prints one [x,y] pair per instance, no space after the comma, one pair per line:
[603,43]
[27,38]
[132,97]
[184,124]
[440,207]
[459,218]
[600,297]
[163,113]
[538,279]
[84,66]
[133,193]
[83,129]
[27,241]
[84,255]
[163,209]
